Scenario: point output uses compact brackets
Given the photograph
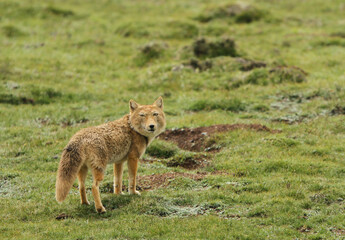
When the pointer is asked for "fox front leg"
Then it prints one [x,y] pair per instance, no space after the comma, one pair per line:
[132,174]
[118,171]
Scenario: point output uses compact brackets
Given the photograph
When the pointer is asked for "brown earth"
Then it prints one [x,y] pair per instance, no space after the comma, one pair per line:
[150,182]
[194,139]
[190,162]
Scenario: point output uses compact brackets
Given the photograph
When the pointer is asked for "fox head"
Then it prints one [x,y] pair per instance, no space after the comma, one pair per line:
[147,120]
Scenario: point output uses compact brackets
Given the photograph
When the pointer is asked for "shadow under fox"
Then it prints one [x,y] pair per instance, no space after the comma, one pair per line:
[125,139]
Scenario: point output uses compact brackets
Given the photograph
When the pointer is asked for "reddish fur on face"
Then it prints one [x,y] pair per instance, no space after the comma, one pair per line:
[144,116]
[114,142]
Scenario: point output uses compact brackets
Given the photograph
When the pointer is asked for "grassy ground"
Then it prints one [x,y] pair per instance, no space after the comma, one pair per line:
[66,65]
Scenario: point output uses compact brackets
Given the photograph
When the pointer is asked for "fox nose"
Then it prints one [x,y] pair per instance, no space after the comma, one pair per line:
[152,126]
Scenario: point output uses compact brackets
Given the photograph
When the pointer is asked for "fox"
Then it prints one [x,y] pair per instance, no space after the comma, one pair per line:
[116,142]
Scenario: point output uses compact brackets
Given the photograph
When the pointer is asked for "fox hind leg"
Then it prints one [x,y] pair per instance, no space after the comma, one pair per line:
[82,174]
[98,176]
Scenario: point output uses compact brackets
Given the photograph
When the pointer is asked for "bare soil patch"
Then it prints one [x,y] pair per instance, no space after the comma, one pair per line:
[154,181]
[150,182]
[189,162]
[194,139]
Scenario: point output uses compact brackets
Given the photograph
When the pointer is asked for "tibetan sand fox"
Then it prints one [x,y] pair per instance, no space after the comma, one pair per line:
[125,139]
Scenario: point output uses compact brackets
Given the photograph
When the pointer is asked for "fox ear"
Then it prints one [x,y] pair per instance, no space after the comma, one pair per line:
[159,102]
[133,105]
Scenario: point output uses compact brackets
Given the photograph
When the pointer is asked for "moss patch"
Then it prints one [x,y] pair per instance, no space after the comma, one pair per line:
[149,52]
[207,48]
[234,12]
[233,105]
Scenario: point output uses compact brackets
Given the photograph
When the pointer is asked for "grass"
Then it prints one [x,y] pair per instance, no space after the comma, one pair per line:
[233,105]
[72,64]
[161,149]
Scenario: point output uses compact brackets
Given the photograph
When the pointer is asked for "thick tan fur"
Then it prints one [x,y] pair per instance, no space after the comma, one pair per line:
[125,139]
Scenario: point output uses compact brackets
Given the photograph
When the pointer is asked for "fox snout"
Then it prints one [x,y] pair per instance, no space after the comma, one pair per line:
[151,127]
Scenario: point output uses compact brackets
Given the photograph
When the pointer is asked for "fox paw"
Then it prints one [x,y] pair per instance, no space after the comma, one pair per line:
[135,193]
[120,193]
[101,210]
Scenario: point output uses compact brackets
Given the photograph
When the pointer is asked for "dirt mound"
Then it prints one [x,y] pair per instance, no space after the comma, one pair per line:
[150,182]
[338,110]
[150,52]
[194,139]
[205,48]
[154,181]
[153,49]
[188,162]
[247,64]
[199,65]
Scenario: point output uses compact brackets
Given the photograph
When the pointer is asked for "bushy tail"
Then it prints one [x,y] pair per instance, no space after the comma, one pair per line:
[69,167]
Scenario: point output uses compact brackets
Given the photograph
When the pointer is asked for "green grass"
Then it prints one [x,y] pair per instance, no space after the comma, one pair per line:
[66,65]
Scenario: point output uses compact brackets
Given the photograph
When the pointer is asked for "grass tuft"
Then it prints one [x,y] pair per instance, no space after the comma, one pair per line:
[59,12]
[184,159]
[162,149]
[149,52]
[223,47]
[233,105]
[234,12]
[130,29]
[287,74]
[12,31]
[181,30]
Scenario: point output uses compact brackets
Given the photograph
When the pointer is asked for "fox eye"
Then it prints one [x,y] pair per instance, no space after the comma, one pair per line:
[155,114]
[141,114]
